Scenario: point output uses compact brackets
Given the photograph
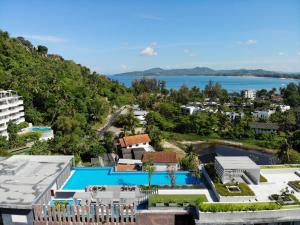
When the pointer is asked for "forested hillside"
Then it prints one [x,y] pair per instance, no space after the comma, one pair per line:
[58,92]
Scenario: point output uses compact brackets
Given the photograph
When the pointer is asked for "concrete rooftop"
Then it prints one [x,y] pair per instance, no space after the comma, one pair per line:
[23,178]
[236,162]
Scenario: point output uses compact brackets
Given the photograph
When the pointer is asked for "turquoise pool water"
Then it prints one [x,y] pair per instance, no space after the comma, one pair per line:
[70,202]
[41,129]
[83,177]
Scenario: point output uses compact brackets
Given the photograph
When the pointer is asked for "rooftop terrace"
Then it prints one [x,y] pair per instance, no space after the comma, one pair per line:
[24,178]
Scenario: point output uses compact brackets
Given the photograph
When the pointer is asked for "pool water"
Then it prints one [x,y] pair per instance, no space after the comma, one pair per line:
[69,201]
[83,177]
[41,129]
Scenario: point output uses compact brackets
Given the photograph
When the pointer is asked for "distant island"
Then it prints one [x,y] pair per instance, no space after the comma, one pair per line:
[205,71]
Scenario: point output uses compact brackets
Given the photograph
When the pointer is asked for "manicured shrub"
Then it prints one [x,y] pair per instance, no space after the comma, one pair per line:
[232,207]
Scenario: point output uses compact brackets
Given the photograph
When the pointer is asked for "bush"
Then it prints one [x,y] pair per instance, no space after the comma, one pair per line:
[31,136]
[231,207]
[22,125]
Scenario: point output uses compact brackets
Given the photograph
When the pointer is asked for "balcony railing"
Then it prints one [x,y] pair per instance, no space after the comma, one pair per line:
[84,215]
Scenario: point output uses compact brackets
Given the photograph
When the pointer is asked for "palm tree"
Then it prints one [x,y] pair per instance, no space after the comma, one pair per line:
[283,153]
[150,169]
[190,150]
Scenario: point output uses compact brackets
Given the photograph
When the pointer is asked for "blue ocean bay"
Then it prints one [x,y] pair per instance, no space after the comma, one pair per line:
[231,83]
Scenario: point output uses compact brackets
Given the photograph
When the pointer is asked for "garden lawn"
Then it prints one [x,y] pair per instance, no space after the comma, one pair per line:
[295,184]
[192,199]
[262,179]
[245,189]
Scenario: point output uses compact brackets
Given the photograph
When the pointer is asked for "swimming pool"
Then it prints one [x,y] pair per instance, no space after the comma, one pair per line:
[41,129]
[83,177]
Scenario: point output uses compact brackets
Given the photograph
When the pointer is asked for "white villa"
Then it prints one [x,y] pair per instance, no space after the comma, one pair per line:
[263,114]
[188,109]
[141,116]
[235,115]
[135,141]
[11,109]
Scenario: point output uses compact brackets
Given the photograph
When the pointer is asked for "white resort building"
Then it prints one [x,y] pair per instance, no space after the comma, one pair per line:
[250,94]
[11,109]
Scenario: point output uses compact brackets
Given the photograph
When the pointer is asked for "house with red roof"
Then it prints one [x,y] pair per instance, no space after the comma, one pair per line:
[162,161]
[135,141]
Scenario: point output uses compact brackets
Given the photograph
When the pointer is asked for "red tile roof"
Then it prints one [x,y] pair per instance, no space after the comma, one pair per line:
[132,140]
[160,157]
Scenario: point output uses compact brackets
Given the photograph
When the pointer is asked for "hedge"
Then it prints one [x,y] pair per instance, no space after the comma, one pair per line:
[232,207]
[193,199]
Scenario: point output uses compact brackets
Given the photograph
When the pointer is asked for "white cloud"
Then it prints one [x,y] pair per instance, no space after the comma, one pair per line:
[248,42]
[150,50]
[186,51]
[150,17]
[45,38]
[280,53]
[189,52]
[298,53]
[124,67]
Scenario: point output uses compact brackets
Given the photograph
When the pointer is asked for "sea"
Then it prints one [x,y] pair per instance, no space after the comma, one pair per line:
[231,83]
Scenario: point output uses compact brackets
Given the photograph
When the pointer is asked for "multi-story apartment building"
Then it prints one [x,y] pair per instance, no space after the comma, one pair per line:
[11,109]
[250,94]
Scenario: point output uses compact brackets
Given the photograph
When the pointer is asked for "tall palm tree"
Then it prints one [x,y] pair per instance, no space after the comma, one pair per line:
[283,153]
[150,169]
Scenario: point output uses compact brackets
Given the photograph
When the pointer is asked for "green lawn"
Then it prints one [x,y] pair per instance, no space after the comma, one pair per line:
[231,207]
[183,137]
[295,184]
[192,199]
[245,189]
[281,166]
[262,179]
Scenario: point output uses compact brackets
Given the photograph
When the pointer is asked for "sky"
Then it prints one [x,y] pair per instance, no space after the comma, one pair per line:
[115,36]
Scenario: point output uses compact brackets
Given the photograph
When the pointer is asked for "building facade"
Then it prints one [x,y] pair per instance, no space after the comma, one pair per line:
[11,109]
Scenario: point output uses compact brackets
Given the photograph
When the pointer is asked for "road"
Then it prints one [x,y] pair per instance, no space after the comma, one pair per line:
[111,119]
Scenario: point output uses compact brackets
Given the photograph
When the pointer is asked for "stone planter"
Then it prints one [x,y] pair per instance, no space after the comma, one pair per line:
[186,204]
[172,204]
[159,204]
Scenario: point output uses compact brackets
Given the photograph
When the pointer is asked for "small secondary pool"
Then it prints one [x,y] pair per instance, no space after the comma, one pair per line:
[40,129]
[83,177]
[68,201]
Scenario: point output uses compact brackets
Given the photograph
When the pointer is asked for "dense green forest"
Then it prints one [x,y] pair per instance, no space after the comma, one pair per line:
[58,92]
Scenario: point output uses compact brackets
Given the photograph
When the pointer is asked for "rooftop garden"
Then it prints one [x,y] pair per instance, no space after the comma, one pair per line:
[175,200]
[228,189]
[234,207]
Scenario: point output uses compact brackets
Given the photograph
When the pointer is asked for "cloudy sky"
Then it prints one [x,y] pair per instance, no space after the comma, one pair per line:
[118,36]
